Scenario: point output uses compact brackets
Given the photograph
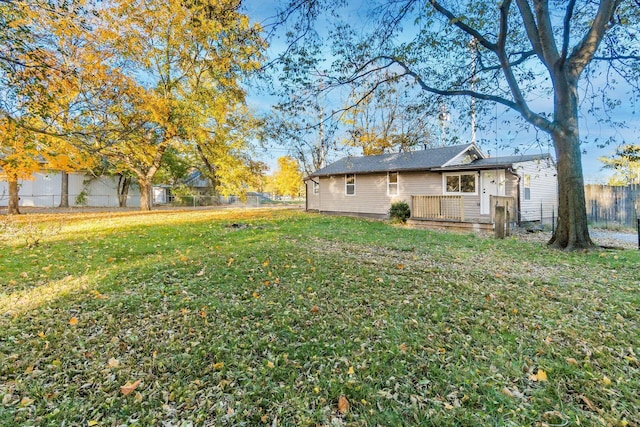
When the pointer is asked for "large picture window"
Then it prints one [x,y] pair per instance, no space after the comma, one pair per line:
[350,184]
[462,183]
[392,183]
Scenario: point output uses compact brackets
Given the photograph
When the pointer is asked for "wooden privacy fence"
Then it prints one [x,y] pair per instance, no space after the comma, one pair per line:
[438,207]
[607,203]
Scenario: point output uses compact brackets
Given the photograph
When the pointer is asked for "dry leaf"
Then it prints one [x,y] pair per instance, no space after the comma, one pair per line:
[606,380]
[128,388]
[403,347]
[571,361]
[73,321]
[270,364]
[218,365]
[343,405]
[113,363]
[315,309]
[92,423]
[201,272]
[539,376]
[351,371]
[588,402]
[230,262]
[26,401]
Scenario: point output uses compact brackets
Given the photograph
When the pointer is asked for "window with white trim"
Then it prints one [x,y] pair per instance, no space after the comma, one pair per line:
[316,187]
[460,183]
[350,184]
[527,186]
[392,183]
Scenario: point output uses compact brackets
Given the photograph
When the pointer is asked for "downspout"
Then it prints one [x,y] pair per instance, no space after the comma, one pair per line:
[518,178]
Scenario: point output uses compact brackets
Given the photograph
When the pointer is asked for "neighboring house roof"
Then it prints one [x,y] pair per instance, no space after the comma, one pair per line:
[409,161]
[196,179]
[496,162]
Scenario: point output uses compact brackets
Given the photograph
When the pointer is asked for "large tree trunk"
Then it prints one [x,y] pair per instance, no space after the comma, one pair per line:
[145,193]
[572,232]
[64,190]
[14,199]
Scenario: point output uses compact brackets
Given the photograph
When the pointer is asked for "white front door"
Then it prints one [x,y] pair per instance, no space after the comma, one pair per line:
[492,183]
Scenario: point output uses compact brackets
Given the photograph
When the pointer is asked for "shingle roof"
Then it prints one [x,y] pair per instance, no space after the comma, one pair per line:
[413,160]
[493,162]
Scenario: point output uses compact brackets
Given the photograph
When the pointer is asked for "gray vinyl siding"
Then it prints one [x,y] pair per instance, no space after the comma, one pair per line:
[544,191]
[370,195]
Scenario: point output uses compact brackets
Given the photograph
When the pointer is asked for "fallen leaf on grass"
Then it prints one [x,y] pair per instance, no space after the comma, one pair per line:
[201,272]
[343,405]
[128,388]
[73,321]
[589,403]
[26,401]
[606,380]
[571,361]
[539,376]
[218,365]
[113,363]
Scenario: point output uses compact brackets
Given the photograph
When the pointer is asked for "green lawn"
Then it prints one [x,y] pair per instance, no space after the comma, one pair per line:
[297,319]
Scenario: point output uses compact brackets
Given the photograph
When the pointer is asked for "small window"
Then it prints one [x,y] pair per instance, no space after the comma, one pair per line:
[527,186]
[392,183]
[316,187]
[350,184]
[460,183]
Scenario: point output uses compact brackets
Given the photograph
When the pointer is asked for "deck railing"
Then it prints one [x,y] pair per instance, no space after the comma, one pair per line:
[438,207]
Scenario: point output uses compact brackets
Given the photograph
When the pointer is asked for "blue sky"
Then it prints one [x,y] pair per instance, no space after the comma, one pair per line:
[496,141]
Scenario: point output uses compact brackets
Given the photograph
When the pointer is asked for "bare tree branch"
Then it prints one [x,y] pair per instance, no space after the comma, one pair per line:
[458,22]
[566,35]
[586,49]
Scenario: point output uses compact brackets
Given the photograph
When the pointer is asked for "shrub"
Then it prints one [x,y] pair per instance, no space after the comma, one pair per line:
[399,212]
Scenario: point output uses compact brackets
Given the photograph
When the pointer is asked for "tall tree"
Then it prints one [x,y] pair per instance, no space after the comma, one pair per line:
[287,180]
[525,50]
[386,121]
[188,58]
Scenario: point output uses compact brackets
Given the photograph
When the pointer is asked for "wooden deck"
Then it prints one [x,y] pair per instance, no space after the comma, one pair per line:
[443,224]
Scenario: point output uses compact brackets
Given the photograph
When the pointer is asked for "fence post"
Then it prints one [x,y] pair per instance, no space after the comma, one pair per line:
[499,223]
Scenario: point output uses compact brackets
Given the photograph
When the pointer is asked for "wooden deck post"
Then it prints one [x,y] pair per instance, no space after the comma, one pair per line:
[499,224]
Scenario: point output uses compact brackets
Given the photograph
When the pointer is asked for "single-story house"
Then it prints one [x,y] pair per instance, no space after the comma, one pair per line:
[449,184]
